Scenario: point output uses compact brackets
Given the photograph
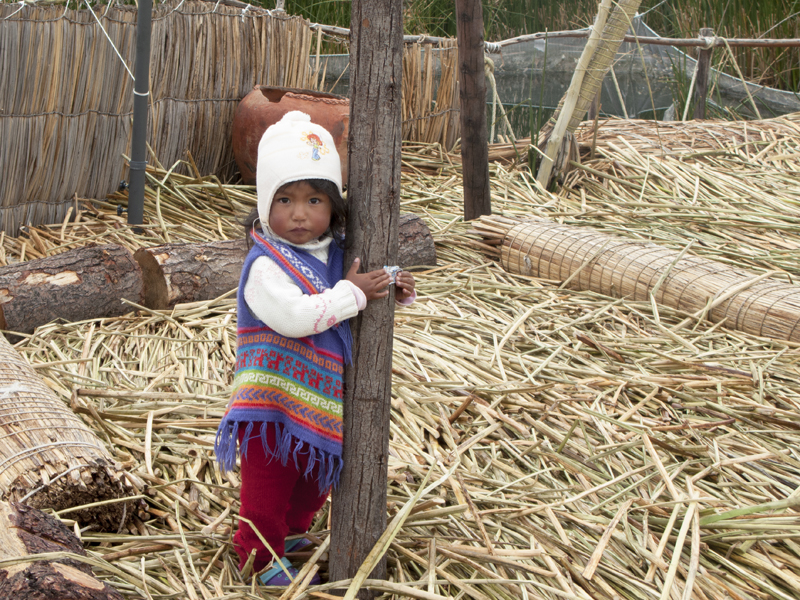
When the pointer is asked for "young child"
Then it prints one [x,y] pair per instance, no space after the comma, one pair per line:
[293,341]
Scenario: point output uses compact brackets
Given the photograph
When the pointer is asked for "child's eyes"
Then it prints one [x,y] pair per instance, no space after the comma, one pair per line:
[314,201]
[283,200]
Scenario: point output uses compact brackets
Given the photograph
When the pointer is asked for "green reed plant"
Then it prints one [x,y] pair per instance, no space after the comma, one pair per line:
[503,18]
[329,12]
[775,67]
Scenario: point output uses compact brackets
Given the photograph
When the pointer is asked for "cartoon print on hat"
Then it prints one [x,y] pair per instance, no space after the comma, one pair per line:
[318,148]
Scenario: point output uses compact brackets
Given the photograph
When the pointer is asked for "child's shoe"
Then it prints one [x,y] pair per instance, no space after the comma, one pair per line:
[277,576]
[295,545]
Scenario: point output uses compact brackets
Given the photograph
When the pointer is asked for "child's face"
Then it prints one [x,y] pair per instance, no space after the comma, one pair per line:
[299,213]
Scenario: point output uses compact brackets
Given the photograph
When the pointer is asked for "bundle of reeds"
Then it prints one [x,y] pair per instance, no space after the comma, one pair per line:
[49,458]
[587,260]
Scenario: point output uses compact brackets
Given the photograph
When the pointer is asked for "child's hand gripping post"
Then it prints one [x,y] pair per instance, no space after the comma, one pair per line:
[404,286]
[374,284]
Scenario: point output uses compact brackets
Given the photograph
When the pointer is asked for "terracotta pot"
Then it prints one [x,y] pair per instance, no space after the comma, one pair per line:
[266,105]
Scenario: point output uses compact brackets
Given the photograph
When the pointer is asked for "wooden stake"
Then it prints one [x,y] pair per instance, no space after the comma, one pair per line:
[472,90]
[359,504]
[703,71]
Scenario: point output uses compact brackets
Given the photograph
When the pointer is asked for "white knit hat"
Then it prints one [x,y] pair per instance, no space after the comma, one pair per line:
[292,149]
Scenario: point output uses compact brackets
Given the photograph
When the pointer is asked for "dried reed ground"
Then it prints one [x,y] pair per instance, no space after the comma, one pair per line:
[545,443]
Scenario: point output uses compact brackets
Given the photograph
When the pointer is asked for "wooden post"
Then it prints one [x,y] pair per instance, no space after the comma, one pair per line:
[358,512]
[472,91]
[594,108]
[703,72]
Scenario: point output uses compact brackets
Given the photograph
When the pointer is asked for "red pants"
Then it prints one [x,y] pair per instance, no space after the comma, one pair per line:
[276,498]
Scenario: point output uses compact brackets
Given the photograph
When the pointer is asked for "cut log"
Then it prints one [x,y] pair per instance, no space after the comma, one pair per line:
[80,284]
[179,273]
[415,243]
[48,457]
[26,531]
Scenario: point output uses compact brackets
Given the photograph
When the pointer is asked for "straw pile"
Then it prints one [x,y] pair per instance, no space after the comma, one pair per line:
[674,137]
[545,443]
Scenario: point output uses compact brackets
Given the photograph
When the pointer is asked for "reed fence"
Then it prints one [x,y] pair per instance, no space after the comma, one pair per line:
[430,105]
[66,94]
[66,121]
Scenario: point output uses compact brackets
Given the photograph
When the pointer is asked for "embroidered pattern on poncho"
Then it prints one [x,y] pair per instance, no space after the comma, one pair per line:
[293,383]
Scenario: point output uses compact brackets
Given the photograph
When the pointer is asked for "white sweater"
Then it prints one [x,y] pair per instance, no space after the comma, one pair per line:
[276,300]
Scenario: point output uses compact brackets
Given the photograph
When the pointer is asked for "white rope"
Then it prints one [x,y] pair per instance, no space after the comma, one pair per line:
[244,11]
[172,11]
[21,6]
[20,455]
[147,93]
[7,391]
[124,64]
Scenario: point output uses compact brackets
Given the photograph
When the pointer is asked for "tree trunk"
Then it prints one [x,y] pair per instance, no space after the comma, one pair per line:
[177,273]
[25,531]
[89,283]
[359,503]
[48,456]
[472,90]
[79,284]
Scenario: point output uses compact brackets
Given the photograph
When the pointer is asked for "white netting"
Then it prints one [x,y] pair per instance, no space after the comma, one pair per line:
[643,83]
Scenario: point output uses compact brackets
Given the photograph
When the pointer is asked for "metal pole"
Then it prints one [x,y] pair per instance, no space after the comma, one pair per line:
[141,95]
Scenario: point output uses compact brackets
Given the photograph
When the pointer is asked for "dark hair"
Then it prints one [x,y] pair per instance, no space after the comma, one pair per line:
[323,186]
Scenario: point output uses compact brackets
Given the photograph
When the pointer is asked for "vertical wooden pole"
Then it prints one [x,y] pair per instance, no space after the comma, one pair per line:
[472,91]
[358,513]
[594,107]
[141,97]
[703,72]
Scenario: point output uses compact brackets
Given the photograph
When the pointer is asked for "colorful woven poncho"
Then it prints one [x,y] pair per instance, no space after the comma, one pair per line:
[292,384]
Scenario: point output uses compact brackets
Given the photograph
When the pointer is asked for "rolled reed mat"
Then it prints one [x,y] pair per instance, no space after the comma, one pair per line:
[747,301]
